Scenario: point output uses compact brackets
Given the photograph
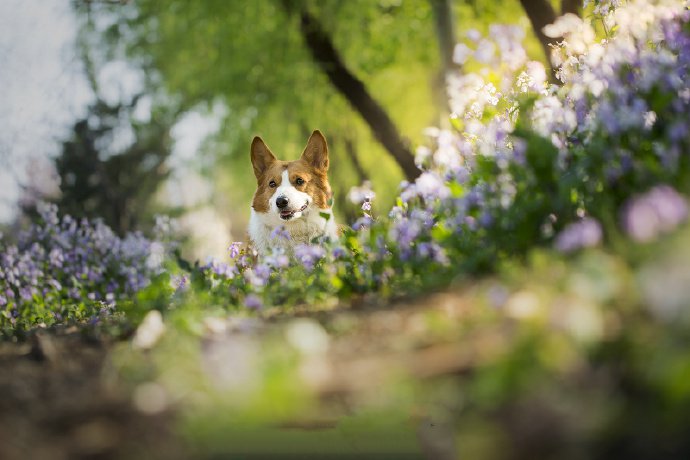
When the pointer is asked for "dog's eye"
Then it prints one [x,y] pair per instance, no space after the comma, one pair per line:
[272,184]
[299,181]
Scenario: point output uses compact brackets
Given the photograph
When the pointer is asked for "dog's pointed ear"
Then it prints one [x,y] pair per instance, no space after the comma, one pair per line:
[316,151]
[262,157]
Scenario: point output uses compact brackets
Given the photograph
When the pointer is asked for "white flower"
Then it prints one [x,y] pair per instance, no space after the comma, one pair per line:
[461,53]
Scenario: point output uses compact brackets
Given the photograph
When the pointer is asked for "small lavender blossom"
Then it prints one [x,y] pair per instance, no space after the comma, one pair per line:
[262,272]
[234,249]
[308,255]
[56,257]
[461,53]
[164,227]
[244,261]
[224,270]
[179,283]
[405,231]
[433,251]
[252,301]
[583,234]
[277,259]
[362,223]
[55,284]
[361,194]
[280,233]
[430,186]
[658,211]
[338,252]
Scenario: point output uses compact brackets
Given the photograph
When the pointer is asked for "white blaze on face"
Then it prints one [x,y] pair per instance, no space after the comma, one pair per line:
[297,201]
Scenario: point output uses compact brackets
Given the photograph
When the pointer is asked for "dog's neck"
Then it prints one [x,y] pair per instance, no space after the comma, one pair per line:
[313,224]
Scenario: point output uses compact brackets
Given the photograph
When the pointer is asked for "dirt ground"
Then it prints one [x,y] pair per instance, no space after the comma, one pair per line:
[60,397]
[59,400]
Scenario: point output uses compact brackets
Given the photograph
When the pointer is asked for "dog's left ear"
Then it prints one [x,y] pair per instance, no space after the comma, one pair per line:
[316,152]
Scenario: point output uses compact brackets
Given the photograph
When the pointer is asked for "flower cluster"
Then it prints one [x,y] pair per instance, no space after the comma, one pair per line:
[528,158]
[525,163]
[66,269]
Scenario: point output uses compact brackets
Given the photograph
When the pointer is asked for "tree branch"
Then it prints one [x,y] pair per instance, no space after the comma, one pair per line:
[541,14]
[325,55]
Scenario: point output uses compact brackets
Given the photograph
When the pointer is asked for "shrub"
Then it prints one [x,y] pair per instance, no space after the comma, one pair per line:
[64,270]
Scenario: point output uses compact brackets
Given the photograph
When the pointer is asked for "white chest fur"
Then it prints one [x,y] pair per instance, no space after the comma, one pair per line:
[303,230]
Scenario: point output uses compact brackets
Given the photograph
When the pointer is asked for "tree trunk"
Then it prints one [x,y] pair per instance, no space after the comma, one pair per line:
[445,32]
[541,14]
[351,152]
[571,6]
[325,55]
[445,36]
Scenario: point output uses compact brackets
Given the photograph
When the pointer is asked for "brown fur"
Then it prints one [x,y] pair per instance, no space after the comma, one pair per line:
[312,167]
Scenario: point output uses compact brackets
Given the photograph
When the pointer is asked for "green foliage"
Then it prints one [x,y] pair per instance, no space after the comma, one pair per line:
[117,183]
[250,57]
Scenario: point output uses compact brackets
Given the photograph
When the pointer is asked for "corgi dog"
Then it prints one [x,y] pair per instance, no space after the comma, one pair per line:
[292,203]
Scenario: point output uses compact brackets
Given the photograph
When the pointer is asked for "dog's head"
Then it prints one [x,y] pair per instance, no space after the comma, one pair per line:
[288,190]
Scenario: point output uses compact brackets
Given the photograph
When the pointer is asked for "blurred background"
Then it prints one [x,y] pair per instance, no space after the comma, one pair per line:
[125,109]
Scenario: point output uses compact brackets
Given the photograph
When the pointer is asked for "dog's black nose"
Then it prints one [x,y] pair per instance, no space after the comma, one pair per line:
[281,202]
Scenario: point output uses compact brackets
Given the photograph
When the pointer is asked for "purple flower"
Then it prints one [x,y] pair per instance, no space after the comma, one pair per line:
[432,251]
[74,294]
[658,211]
[56,257]
[405,231]
[308,255]
[263,272]
[252,301]
[222,269]
[423,216]
[55,284]
[280,232]
[338,252]
[583,234]
[244,261]
[361,194]
[362,223]
[179,282]
[25,293]
[48,212]
[277,259]
[486,219]
[234,249]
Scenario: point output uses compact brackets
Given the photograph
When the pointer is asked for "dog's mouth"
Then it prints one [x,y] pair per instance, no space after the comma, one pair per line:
[287,215]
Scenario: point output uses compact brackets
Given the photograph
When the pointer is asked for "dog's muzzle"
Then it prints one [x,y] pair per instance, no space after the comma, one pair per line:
[287,215]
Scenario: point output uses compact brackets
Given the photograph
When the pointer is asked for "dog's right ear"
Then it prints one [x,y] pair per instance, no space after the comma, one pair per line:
[262,157]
